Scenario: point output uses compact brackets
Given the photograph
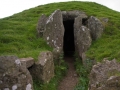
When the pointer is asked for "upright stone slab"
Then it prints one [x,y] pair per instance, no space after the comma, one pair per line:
[43,70]
[41,25]
[83,40]
[14,74]
[82,37]
[54,30]
[96,27]
[77,25]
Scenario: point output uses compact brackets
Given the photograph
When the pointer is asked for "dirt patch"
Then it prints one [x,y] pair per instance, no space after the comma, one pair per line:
[71,79]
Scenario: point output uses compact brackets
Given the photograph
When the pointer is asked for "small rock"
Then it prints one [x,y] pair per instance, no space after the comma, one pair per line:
[75,75]
[105,76]
[29,61]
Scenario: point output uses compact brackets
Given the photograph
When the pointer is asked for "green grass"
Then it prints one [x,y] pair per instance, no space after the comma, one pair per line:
[83,72]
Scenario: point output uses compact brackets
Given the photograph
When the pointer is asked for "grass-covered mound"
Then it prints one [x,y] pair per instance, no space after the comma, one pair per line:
[18,32]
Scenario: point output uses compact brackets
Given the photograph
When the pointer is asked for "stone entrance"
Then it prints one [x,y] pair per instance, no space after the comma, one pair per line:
[72,31]
[68,42]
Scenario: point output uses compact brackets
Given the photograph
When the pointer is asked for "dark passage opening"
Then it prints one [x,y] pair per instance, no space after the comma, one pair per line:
[68,44]
[84,21]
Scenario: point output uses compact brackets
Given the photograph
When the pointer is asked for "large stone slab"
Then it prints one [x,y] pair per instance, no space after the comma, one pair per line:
[70,15]
[96,27]
[54,30]
[14,74]
[43,69]
[105,76]
[82,37]
[41,25]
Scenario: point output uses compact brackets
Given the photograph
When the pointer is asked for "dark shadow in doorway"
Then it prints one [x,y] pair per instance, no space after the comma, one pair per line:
[68,42]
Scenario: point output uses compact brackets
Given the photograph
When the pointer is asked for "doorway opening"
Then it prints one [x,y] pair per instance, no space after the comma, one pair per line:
[68,42]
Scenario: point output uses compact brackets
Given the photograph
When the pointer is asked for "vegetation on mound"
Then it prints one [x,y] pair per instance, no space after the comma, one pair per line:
[18,34]
[83,72]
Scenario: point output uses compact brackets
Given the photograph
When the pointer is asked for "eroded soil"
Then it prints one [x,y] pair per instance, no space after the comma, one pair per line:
[71,79]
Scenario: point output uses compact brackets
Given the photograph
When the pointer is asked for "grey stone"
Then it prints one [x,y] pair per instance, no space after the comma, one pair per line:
[14,74]
[41,25]
[105,76]
[70,15]
[96,27]
[83,40]
[56,53]
[54,30]
[43,69]
[82,37]
[77,25]
[29,61]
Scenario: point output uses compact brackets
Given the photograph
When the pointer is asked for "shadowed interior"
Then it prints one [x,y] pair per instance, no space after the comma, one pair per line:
[84,21]
[68,42]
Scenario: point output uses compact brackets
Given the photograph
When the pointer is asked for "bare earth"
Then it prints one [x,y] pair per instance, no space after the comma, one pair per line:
[71,79]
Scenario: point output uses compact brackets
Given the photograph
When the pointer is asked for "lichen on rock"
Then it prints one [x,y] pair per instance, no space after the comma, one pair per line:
[105,76]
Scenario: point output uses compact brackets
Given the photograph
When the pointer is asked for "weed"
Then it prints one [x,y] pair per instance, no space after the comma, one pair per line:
[83,72]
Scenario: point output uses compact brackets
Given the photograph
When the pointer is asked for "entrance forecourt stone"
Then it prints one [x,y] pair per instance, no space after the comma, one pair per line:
[43,69]
[14,75]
